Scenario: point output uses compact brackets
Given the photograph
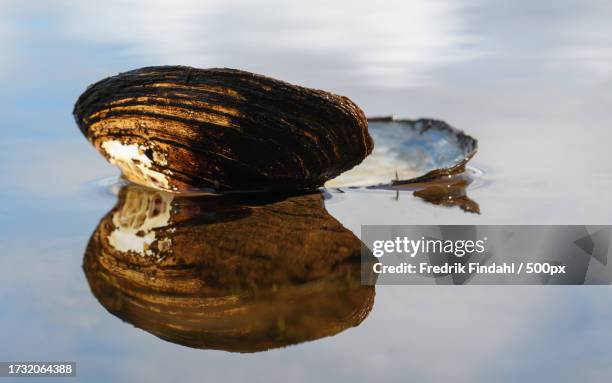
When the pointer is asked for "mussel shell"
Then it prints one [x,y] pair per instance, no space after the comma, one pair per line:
[410,151]
[226,272]
[178,128]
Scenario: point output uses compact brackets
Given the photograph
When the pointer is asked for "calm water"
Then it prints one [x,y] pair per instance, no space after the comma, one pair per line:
[530,80]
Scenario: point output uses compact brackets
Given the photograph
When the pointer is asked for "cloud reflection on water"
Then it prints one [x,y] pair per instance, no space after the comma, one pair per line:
[392,44]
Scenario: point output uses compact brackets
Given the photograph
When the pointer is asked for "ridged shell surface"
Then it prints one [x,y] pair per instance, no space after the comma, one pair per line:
[178,128]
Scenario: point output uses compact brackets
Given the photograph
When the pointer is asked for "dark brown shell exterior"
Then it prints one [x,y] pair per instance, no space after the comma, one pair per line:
[178,128]
[227,272]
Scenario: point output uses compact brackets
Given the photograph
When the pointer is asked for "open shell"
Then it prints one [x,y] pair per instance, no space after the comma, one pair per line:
[410,151]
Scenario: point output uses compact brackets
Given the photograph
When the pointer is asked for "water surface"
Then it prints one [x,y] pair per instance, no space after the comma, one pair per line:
[529,80]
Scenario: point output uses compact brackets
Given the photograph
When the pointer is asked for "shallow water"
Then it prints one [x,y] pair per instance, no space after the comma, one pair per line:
[529,80]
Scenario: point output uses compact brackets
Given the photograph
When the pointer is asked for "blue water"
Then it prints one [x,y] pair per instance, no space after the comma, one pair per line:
[529,80]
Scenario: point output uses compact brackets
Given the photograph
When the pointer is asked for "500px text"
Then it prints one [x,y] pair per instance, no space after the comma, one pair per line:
[470,268]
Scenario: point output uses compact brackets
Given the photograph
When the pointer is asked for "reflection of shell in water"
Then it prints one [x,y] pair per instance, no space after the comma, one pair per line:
[136,220]
[451,192]
[235,275]
[409,151]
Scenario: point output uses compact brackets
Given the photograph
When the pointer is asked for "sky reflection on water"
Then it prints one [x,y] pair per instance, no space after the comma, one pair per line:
[530,80]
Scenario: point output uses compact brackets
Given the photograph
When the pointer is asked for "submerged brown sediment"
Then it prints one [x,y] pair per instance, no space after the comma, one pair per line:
[229,273]
[178,128]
